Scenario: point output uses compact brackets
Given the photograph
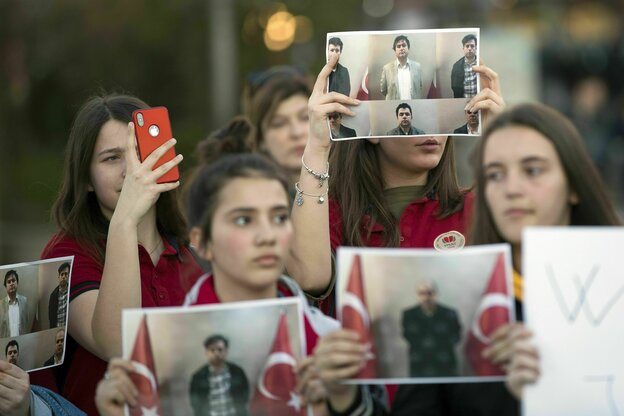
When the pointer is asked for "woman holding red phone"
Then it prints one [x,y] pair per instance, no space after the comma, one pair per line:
[126,234]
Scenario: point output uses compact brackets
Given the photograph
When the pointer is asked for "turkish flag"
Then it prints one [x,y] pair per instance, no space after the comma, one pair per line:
[363,90]
[144,375]
[275,392]
[433,88]
[355,314]
[494,311]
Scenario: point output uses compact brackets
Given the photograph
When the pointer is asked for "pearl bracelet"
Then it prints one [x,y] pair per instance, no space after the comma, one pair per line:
[321,177]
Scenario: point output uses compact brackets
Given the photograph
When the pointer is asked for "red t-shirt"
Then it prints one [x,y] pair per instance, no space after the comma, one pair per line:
[162,285]
[315,323]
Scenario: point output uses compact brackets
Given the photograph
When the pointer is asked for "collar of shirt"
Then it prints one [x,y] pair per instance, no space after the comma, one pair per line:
[406,66]
[474,61]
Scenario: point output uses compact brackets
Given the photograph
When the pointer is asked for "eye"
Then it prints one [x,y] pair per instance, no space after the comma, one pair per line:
[278,124]
[281,218]
[534,170]
[111,158]
[494,176]
[242,220]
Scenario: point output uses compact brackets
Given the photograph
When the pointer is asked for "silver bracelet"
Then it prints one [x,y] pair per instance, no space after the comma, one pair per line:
[300,194]
[321,177]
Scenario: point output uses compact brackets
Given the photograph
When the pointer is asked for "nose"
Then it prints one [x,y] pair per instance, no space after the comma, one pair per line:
[298,129]
[265,233]
[513,184]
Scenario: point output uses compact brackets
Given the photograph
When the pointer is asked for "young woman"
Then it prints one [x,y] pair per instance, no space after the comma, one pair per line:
[125,232]
[276,102]
[246,236]
[532,169]
[383,192]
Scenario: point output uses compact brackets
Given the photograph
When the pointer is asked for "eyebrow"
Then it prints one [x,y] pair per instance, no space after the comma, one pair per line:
[112,150]
[528,159]
[249,210]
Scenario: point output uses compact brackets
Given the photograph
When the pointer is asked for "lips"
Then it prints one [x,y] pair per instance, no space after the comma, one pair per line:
[517,212]
[267,260]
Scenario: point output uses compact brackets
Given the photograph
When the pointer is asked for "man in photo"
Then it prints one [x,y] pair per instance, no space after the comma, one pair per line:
[472,124]
[57,306]
[339,131]
[219,387]
[13,308]
[401,79]
[59,342]
[339,80]
[463,79]
[11,352]
[404,117]
[432,331]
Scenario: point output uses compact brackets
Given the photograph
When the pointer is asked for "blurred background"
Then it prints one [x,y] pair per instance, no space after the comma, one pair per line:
[194,56]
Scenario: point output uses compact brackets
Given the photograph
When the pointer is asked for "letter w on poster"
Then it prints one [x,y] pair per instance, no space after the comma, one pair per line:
[574,304]
[237,358]
[426,315]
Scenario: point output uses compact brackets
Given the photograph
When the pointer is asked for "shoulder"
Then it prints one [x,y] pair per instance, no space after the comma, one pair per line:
[414,63]
[458,63]
[389,65]
[235,368]
[201,371]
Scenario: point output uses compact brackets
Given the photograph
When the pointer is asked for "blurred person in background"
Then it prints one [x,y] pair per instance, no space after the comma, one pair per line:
[276,102]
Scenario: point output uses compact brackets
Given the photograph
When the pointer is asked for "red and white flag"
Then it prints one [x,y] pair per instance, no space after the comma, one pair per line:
[493,311]
[144,375]
[433,88]
[275,392]
[363,90]
[355,314]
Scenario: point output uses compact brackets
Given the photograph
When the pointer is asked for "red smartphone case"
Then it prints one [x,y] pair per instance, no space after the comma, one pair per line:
[152,128]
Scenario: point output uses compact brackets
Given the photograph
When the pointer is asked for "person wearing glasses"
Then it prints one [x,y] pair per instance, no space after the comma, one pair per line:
[338,130]
[432,331]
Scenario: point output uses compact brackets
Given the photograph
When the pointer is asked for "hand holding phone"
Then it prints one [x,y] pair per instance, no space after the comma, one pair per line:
[152,129]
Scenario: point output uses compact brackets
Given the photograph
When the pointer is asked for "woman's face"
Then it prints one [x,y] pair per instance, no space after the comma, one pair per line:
[407,161]
[251,234]
[108,165]
[524,182]
[286,133]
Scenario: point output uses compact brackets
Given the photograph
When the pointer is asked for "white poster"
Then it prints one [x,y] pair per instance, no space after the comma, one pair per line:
[574,304]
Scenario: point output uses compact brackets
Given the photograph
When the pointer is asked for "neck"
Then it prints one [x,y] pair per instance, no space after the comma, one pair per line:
[394,176]
[13,297]
[516,256]
[402,61]
[405,129]
[471,60]
[230,291]
[217,368]
[148,235]
[58,356]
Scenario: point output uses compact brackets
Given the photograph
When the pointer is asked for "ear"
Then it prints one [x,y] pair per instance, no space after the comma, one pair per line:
[195,237]
[573,198]
[373,140]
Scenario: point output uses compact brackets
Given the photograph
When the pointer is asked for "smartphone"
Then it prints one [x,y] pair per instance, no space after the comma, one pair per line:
[152,128]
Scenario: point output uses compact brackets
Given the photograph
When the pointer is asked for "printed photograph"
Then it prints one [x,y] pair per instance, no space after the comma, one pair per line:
[235,358]
[427,314]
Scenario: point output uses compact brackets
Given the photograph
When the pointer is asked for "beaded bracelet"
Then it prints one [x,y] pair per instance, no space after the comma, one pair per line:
[300,194]
[321,177]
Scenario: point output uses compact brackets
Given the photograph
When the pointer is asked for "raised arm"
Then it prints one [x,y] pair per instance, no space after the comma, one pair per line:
[490,98]
[310,263]
[97,322]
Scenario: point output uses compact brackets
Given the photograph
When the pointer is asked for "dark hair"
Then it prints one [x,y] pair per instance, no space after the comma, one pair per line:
[213,339]
[9,344]
[204,193]
[335,42]
[402,105]
[398,39]
[594,206]
[63,267]
[261,102]
[468,38]
[76,210]
[357,185]
[8,274]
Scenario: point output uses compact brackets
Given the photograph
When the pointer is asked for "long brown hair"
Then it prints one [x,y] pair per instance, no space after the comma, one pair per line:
[594,206]
[357,185]
[76,210]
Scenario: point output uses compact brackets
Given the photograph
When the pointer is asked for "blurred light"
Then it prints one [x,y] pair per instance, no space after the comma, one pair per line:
[591,22]
[377,8]
[305,29]
[267,12]
[280,31]
[504,4]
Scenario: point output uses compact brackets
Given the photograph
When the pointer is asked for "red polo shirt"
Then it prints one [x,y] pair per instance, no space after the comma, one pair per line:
[419,227]
[162,285]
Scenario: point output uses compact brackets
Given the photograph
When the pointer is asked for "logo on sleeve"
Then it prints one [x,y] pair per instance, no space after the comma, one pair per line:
[451,240]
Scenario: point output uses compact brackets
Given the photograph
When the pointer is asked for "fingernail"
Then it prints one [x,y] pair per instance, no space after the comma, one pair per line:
[356,101]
